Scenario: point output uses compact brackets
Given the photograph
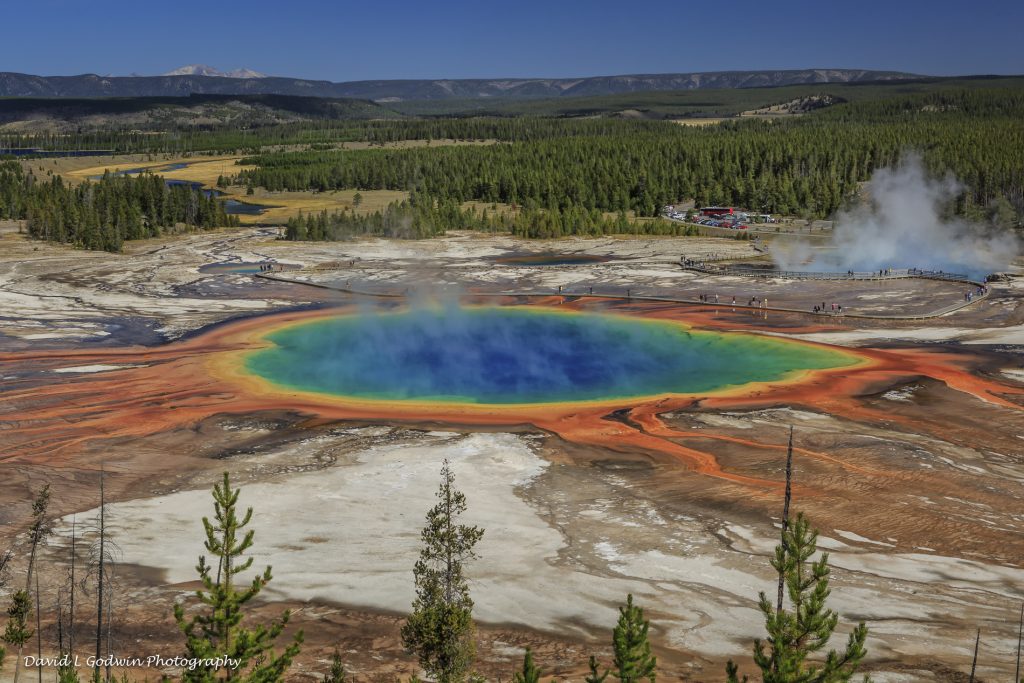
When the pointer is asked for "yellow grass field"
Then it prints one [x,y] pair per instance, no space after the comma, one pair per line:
[288,204]
[200,169]
[699,122]
[206,170]
[76,169]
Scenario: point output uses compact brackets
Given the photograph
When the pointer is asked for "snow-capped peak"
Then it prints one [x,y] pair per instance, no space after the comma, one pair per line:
[204,70]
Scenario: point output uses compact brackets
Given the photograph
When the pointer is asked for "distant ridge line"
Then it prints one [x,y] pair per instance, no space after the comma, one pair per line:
[91,85]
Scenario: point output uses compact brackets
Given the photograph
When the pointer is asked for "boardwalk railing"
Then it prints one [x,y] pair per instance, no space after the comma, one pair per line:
[710,268]
[605,291]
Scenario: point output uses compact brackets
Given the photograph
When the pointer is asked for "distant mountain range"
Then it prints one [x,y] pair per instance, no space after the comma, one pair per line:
[203,70]
[199,79]
[66,114]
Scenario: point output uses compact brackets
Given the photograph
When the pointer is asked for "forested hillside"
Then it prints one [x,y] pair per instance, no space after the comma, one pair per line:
[50,123]
[577,176]
[222,123]
[102,215]
[808,165]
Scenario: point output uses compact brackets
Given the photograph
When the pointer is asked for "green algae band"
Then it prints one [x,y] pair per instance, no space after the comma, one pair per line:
[519,355]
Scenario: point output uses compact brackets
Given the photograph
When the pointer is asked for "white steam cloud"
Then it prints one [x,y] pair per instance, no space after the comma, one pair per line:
[904,226]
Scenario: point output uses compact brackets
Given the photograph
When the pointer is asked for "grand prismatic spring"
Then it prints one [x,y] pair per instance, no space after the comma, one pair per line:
[519,355]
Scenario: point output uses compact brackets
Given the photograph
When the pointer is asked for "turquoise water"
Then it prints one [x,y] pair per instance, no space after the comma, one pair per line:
[519,355]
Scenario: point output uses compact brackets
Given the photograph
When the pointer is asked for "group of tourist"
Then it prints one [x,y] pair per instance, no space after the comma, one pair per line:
[754,301]
[836,309]
[882,272]
[686,261]
[969,295]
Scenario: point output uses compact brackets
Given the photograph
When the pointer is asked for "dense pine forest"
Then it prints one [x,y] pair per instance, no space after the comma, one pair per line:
[422,217]
[413,219]
[807,165]
[102,215]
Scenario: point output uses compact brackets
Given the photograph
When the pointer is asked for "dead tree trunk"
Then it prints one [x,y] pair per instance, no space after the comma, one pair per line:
[1020,637]
[785,513]
[110,612]
[71,589]
[37,534]
[39,636]
[99,583]
[974,662]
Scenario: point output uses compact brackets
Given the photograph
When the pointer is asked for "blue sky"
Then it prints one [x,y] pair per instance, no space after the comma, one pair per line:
[344,40]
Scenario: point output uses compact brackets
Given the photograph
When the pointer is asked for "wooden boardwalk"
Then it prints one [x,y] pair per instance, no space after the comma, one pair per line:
[596,293]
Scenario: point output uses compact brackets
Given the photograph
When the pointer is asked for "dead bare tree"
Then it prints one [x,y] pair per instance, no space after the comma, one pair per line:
[71,589]
[974,662]
[1020,637]
[39,635]
[100,574]
[110,612]
[785,512]
[102,558]
[66,619]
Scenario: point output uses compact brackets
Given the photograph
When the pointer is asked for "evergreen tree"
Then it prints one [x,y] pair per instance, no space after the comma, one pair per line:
[337,673]
[440,629]
[4,559]
[217,631]
[67,673]
[794,634]
[633,658]
[594,676]
[18,630]
[530,673]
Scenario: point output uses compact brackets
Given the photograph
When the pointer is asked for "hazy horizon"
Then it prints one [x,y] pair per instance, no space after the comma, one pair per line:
[461,40]
[233,67]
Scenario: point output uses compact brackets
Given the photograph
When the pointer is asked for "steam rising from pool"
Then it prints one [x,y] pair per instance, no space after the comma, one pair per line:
[906,225]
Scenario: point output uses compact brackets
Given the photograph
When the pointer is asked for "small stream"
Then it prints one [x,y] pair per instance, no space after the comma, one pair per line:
[232,207]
